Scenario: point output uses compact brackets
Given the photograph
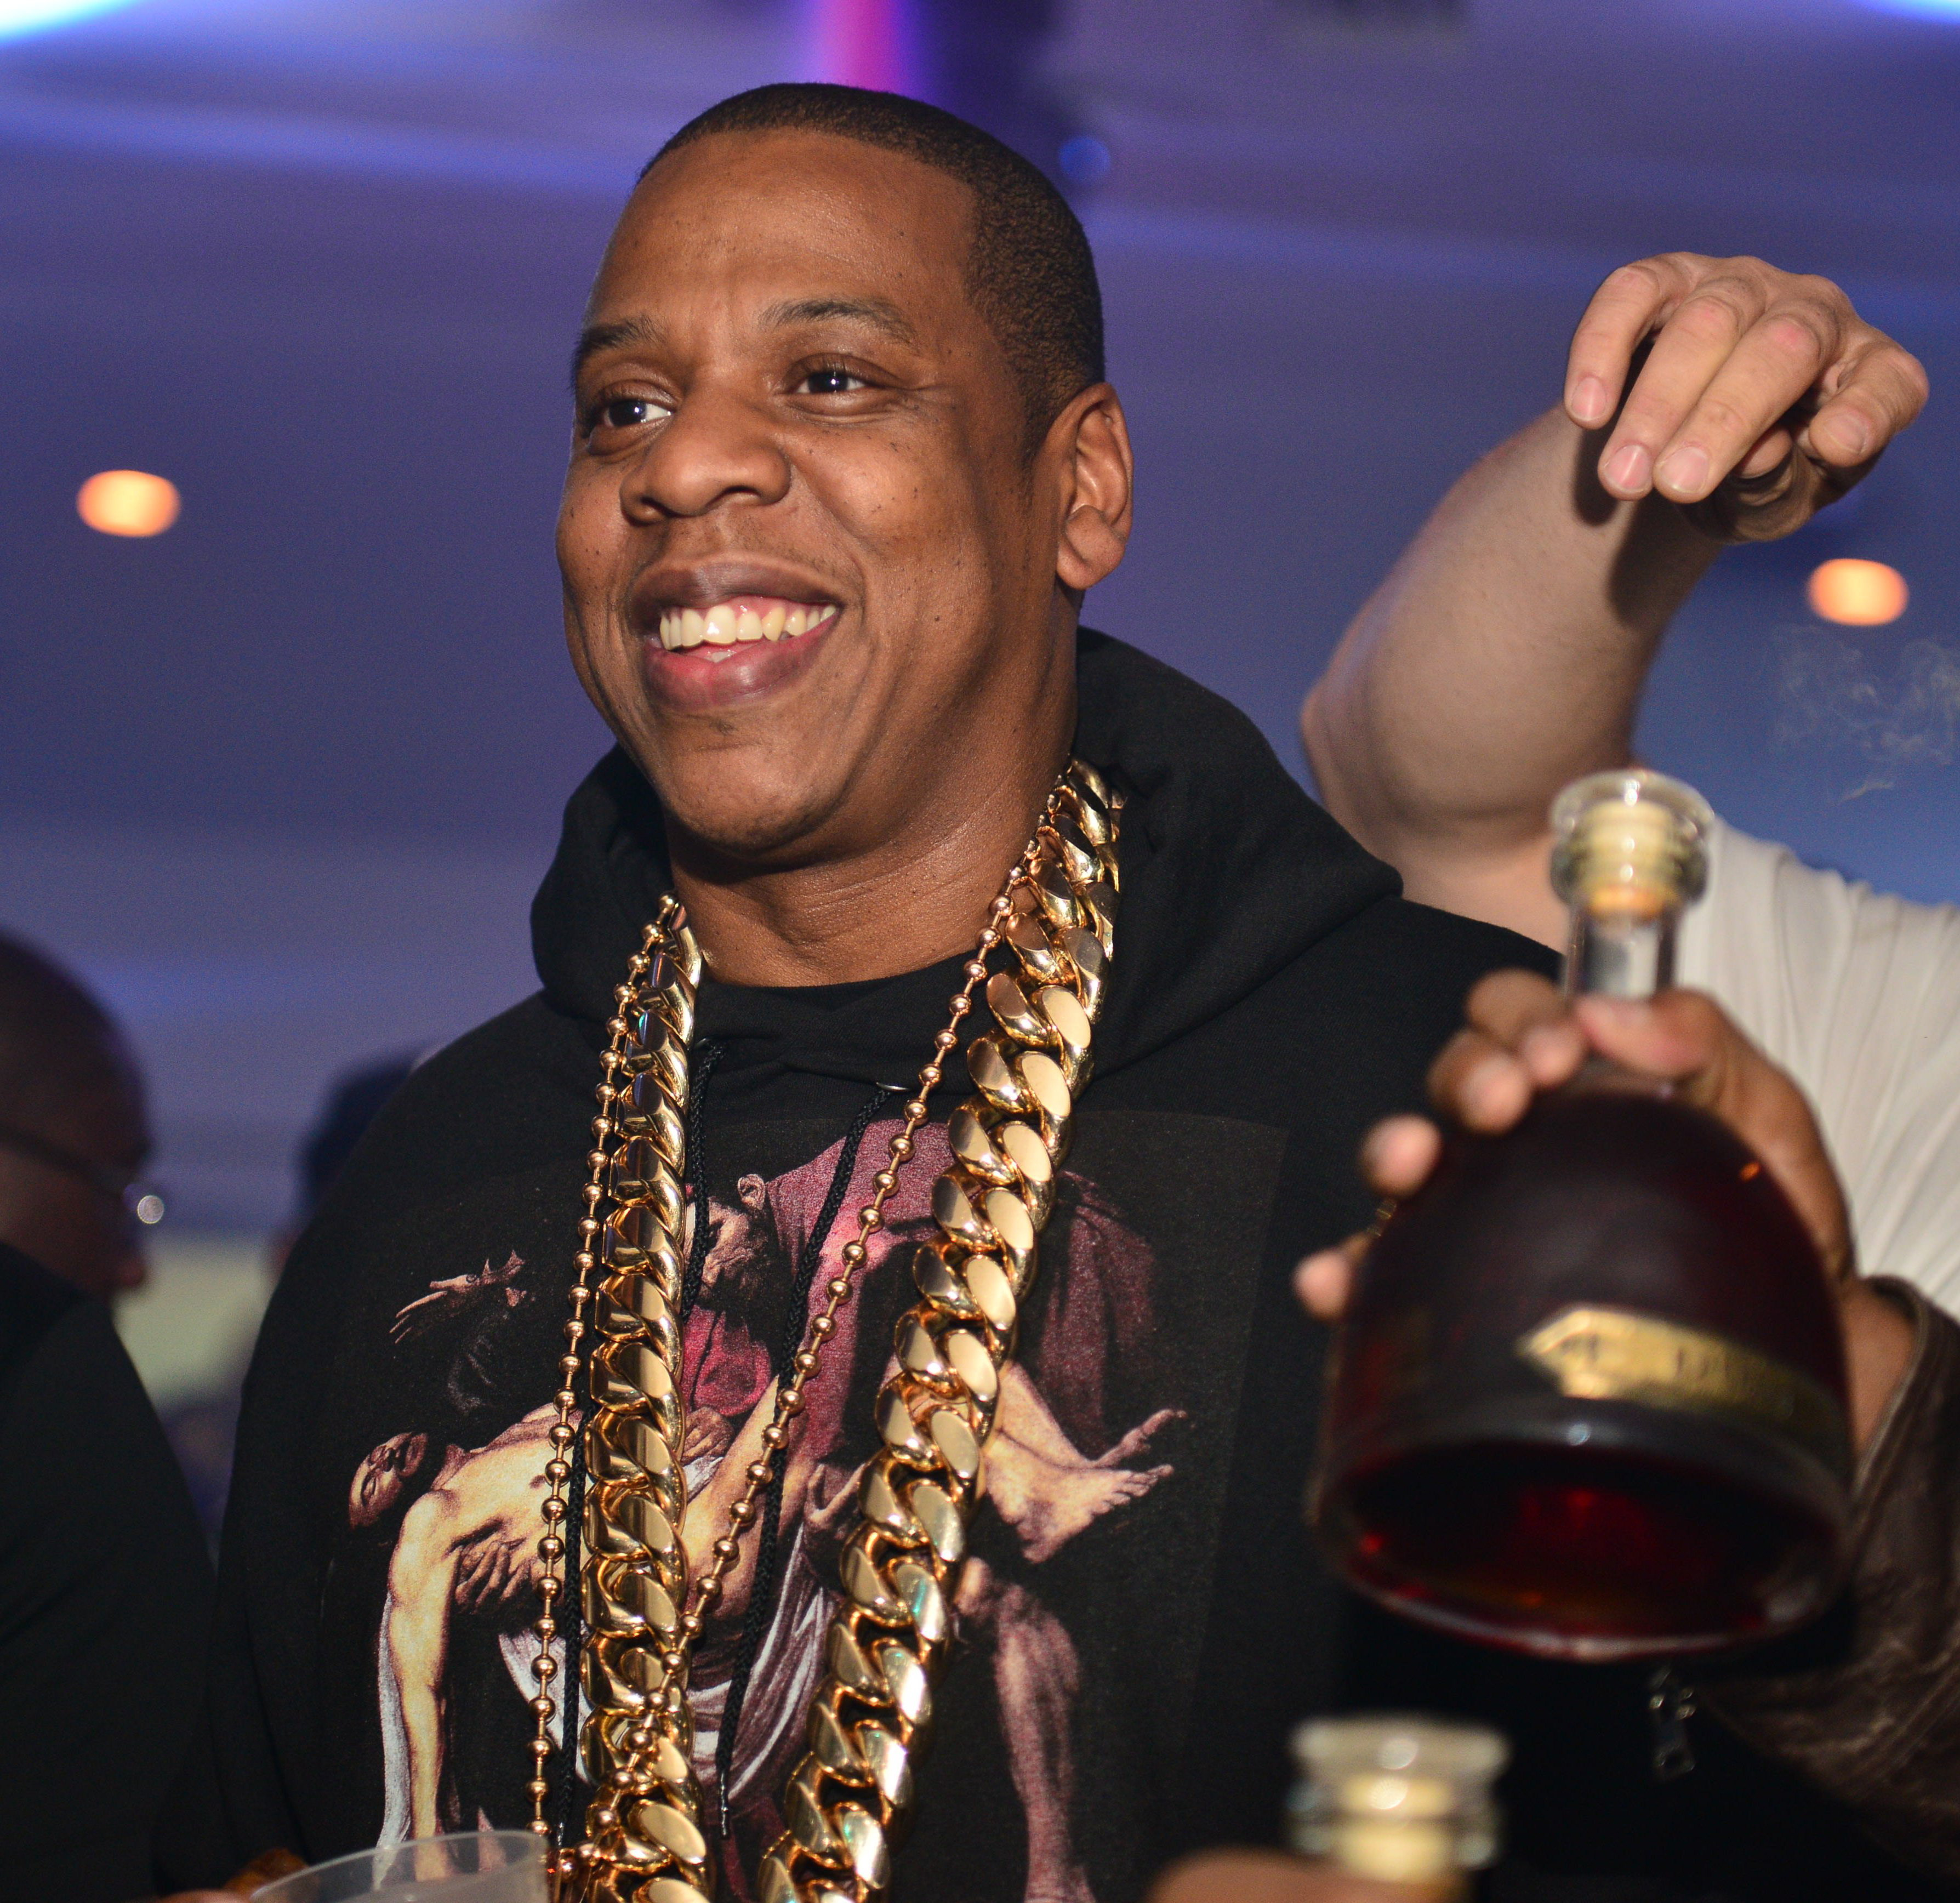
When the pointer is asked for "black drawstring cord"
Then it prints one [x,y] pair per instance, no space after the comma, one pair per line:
[573,1601]
[707,1056]
[761,1595]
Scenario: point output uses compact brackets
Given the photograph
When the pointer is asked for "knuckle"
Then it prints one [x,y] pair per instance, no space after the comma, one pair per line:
[1642,278]
[1496,993]
[1696,1016]
[1912,373]
[1756,278]
[1800,334]
[1819,290]
[1713,313]
[1720,417]
[1504,1006]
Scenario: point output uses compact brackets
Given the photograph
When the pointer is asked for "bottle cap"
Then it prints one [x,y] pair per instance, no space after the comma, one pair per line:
[1630,841]
[1400,1799]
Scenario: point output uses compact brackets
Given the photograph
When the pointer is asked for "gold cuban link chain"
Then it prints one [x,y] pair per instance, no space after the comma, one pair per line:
[846,1799]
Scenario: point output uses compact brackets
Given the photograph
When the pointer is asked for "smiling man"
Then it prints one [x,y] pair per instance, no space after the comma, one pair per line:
[843,465]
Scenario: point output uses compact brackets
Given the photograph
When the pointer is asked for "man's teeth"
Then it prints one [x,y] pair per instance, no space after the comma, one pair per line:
[726,626]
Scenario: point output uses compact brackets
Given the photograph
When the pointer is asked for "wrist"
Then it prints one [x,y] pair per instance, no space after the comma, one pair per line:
[1877,1351]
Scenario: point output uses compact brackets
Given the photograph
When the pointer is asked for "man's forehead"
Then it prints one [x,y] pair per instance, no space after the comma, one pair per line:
[826,219]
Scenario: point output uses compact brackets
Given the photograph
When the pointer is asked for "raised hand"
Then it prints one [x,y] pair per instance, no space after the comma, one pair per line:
[1758,395]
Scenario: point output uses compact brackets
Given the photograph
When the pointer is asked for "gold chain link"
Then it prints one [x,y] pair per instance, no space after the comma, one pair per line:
[672,996]
[647,1843]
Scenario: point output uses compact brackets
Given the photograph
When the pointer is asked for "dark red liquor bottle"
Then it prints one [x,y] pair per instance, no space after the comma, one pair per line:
[1588,1400]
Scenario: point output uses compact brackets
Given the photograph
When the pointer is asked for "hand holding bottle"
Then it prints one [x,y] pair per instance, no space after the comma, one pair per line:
[1524,1037]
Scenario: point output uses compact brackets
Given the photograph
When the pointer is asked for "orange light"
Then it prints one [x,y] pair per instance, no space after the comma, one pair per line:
[128,502]
[1863,594]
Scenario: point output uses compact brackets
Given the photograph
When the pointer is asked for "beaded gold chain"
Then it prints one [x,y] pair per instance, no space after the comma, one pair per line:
[646,1843]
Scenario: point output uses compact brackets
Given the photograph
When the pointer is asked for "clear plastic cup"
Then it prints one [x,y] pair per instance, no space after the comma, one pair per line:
[474,1867]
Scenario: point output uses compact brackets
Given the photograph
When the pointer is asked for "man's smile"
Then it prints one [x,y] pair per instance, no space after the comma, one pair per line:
[710,648]
[739,620]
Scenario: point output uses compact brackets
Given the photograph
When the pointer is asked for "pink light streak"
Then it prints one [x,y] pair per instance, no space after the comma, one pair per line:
[863,42]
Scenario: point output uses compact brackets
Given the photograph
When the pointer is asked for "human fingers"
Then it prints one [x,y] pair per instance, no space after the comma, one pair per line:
[1271,1876]
[1770,451]
[1742,353]
[1623,311]
[471,1569]
[1808,348]
[501,1576]
[1876,388]
[1324,1280]
[1683,1038]
[1763,373]
[1521,1039]
[1396,1158]
[1693,339]
[1399,1154]
[1530,1016]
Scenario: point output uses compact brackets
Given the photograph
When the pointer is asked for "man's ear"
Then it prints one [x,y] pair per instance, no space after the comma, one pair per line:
[1090,441]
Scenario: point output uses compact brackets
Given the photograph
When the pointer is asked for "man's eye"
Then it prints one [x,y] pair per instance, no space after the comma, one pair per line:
[628,412]
[831,382]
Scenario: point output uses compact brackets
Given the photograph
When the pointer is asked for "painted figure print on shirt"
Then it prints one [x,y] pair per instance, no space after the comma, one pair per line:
[1087,1432]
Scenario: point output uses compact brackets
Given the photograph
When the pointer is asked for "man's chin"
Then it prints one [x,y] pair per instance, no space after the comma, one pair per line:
[725,819]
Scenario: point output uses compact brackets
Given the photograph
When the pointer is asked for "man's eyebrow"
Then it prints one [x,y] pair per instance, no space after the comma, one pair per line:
[595,338]
[873,311]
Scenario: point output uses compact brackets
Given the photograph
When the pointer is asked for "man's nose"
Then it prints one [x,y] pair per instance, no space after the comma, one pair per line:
[718,447]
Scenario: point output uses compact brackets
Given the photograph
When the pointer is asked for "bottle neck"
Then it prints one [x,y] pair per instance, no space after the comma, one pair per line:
[1620,953]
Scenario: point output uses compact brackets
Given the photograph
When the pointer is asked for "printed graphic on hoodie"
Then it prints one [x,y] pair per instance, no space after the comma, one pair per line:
[1093,1426]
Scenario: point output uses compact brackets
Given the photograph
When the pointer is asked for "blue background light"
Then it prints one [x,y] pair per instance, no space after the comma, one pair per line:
[31,16]
[1084,160]
[1922,9]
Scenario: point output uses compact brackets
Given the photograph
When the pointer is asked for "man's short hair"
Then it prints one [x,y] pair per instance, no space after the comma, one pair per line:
[1029,273]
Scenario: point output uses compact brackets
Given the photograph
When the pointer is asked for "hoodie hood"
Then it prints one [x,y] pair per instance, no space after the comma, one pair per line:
[1229,872]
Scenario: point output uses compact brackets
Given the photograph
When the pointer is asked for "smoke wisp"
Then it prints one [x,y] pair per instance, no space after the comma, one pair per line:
[1830,694]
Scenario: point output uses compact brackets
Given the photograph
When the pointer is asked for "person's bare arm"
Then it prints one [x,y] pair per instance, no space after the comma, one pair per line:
[421,1581]
[707,1517]
[1505,654]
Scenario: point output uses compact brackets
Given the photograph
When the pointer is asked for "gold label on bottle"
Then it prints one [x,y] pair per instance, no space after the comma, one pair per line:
[1617,1354]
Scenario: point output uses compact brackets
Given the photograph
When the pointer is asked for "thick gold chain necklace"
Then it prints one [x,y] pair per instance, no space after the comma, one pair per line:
[851,1789]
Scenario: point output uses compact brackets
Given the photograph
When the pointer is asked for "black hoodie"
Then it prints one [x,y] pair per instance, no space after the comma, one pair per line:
[1145,1616]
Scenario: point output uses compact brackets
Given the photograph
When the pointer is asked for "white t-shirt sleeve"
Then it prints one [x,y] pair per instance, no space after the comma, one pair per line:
[1857,994]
